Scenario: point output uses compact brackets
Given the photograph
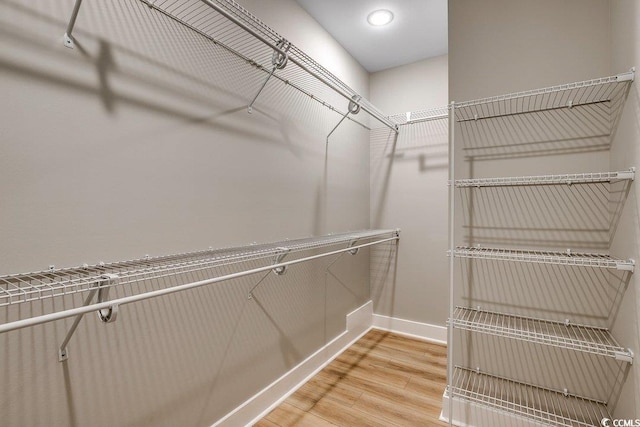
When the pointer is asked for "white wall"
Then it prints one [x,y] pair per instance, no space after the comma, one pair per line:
[409,191]
[138,142]
[625,152]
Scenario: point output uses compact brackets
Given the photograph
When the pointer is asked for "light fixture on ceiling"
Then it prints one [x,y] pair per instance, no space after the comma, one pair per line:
[380,17]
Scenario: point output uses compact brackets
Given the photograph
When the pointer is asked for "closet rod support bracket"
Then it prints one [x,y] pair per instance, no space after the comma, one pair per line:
[356,250]
[107,315]
[280,255]
[280,270]
[279,61]
[67,39]
[353,108]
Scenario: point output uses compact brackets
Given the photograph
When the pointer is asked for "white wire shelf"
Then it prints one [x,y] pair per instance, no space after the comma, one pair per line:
[598,341]
[227,24]
[611,89]
[549,407]
[546,257]
[413,117]
[23,288]
[576,178]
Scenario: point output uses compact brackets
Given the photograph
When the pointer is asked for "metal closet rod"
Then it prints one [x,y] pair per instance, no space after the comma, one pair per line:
[38,320]
[68,41]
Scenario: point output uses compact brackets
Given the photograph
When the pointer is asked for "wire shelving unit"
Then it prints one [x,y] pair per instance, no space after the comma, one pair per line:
[554,120]
[173,273]
[413,117]
[546,257]
[228,25]
[588,339]
[546,406]
[27,287]
[569,179]
[612,89]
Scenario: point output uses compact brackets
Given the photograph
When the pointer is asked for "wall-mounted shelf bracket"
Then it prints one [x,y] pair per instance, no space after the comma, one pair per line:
[630,174]
[67,39]
[282,252]
[628,76]
[353,108]
[107,315]
[351,244]
[629,265]
[279,60]
[625,356]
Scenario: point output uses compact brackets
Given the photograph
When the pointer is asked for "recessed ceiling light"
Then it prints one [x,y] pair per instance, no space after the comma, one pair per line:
[380,17]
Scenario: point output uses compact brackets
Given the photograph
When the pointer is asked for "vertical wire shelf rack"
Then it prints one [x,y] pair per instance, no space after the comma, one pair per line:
[600,101]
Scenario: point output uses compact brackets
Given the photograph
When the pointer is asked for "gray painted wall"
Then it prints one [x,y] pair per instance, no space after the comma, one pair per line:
[625,152]
[409,191]
[138,142]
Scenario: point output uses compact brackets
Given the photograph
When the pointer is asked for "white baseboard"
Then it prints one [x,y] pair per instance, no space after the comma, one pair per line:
[358,324]
[424,331]
[468,414]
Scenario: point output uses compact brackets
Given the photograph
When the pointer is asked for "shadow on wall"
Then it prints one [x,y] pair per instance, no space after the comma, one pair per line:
[144,60]
[423,144]
[383,275]
[577,216]
[427,142]
[488,135]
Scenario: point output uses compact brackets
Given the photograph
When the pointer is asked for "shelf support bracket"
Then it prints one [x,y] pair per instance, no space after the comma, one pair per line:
[281,253]
[67,39]
[109,314]
[627,266]
[279,61]
[625,356]
[353,108]
[351,244]
[630,174]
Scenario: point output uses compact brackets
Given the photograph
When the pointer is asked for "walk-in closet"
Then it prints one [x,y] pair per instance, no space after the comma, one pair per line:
[319,213]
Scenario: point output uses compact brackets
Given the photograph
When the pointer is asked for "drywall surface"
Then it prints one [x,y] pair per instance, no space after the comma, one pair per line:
[136,142]
[498,47]
[625,152]
[409,191]
[412,87]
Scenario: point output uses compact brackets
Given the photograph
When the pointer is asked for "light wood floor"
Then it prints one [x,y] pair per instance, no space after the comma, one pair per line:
[382,380]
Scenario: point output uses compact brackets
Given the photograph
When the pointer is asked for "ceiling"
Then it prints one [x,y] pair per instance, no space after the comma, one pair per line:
[418,31]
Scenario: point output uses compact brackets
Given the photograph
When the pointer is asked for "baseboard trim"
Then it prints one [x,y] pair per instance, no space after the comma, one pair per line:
[425,331]
[358,324]
[470,414]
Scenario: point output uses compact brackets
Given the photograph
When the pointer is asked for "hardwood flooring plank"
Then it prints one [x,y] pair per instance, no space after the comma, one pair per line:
[347,417]
[425,386]
[381,374]
[318,389]
[287,415]
[265,423]
[403,396]
[382,380]
[390,353]
[392,411]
